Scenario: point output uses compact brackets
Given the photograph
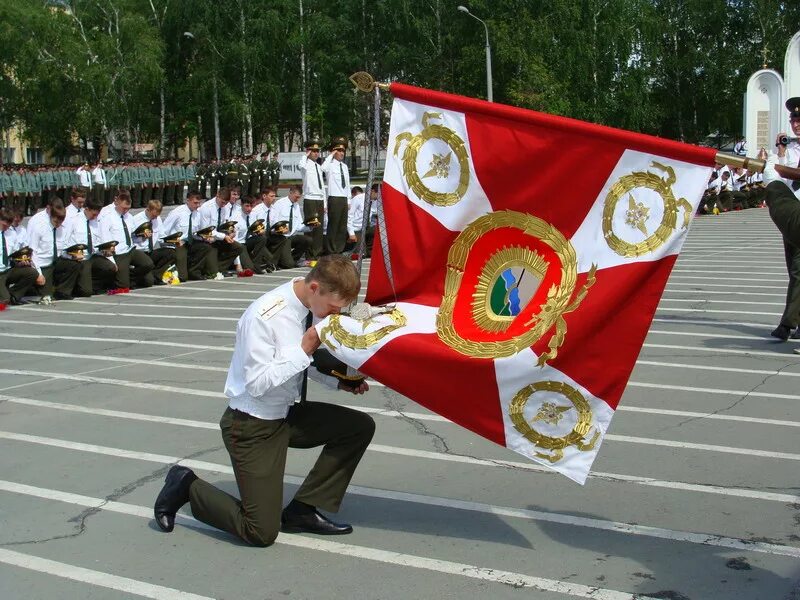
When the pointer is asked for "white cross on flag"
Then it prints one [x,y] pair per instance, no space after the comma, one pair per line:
[528,255]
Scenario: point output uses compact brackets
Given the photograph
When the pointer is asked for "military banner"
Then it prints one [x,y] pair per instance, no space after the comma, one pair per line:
[528,255]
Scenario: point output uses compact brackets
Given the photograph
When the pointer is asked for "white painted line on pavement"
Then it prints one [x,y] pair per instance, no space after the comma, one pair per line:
[723,293]
[723,351]
[526,514]
[664,309]
[525,466]
[97,578]
[708,368]
[709,277]
[672,284]
[113,340]
[715,301]
[202,332]
[723,336]
[130,361]
[710,322]
[371,554]
[95,314]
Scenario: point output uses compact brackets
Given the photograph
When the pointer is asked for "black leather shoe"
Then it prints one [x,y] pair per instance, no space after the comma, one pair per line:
[270,267]
[782,332]
[172,496]
[312,522]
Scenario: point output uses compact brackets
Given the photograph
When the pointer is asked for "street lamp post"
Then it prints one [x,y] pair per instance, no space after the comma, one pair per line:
[464,9]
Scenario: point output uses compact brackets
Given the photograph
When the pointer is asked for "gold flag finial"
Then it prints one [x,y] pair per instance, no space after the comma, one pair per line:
[364,82]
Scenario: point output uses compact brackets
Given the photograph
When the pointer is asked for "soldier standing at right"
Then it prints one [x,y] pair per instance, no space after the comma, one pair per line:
[789,155]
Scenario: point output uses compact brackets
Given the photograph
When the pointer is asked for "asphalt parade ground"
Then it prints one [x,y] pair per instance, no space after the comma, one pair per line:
[695,493]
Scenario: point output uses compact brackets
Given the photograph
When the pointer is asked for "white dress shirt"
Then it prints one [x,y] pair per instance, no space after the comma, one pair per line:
[111,228]
[84,177]
[181,219]
[72,210]
[210,214]
[286,210]
[337,175]
[22,234]
[99,176]
[40,239]
[313,188]
[143,243]
[12,244]
[791,159]
[266,372]
[355,214]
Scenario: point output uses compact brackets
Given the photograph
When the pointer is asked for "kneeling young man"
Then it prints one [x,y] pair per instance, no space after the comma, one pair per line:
[266,378]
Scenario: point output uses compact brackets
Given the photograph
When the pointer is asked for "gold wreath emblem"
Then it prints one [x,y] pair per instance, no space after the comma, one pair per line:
[561,298]
[555,445]
[440,164]
[336,330]
[637,212]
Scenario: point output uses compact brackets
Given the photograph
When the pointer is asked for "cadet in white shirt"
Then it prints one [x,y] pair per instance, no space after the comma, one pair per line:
[97,271]
[214,213]
[77,199]
[117,225]
[194,262]
[268,210]
[298,234]
[268,413]
[337,177]
[84,176]
[15,279]
[100,183]
[355,220]
[313,194]
[254,238]
[47,240]
[150,242]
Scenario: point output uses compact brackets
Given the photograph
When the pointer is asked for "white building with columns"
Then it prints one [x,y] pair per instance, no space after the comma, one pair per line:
[765,115]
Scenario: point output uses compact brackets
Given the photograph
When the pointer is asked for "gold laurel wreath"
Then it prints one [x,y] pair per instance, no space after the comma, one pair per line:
[663,187]
[556,445]
[415,143]
[336,330]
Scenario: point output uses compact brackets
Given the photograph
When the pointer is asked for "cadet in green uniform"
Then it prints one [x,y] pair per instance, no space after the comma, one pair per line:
[274,171]
[6,191]
[262,419]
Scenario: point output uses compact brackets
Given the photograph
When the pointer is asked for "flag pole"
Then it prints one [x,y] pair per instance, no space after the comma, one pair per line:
[756,165]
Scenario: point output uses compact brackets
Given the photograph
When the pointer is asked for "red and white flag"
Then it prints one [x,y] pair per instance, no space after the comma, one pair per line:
[528,255]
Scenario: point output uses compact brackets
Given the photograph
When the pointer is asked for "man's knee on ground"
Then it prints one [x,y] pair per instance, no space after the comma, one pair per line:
[262,536]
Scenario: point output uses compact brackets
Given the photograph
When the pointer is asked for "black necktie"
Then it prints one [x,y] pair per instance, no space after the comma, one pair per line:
[304,386]
[319,179]
[247,225]
[150,241]
[291,221]
[269,209]
[55,246]
[219,216]
[341,172]
[5,250]
[189,239]
[125,229]
[89,238]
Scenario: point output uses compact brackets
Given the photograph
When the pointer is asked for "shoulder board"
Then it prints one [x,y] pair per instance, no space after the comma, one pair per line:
[271,308]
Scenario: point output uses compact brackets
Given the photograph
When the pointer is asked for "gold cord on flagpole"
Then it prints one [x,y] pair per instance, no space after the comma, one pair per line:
[366,83]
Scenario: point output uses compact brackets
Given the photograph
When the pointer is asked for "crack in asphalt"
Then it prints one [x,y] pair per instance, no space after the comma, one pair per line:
[734,404]
[80,520]
[393,403]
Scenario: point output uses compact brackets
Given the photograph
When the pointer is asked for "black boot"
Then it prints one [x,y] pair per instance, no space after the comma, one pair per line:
[172,496]
[299,517]
[782,332]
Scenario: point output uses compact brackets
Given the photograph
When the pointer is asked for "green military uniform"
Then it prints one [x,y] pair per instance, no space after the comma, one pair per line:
[274,171]
[18,189]
[6,191]
[254,186]
[232,174]
[34,185]
[157,179]
[784,208]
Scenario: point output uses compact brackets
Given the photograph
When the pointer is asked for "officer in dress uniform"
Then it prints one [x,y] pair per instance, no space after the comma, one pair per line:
[789,154]
[313,194]
[274,170]
[337,176]
[268,413]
